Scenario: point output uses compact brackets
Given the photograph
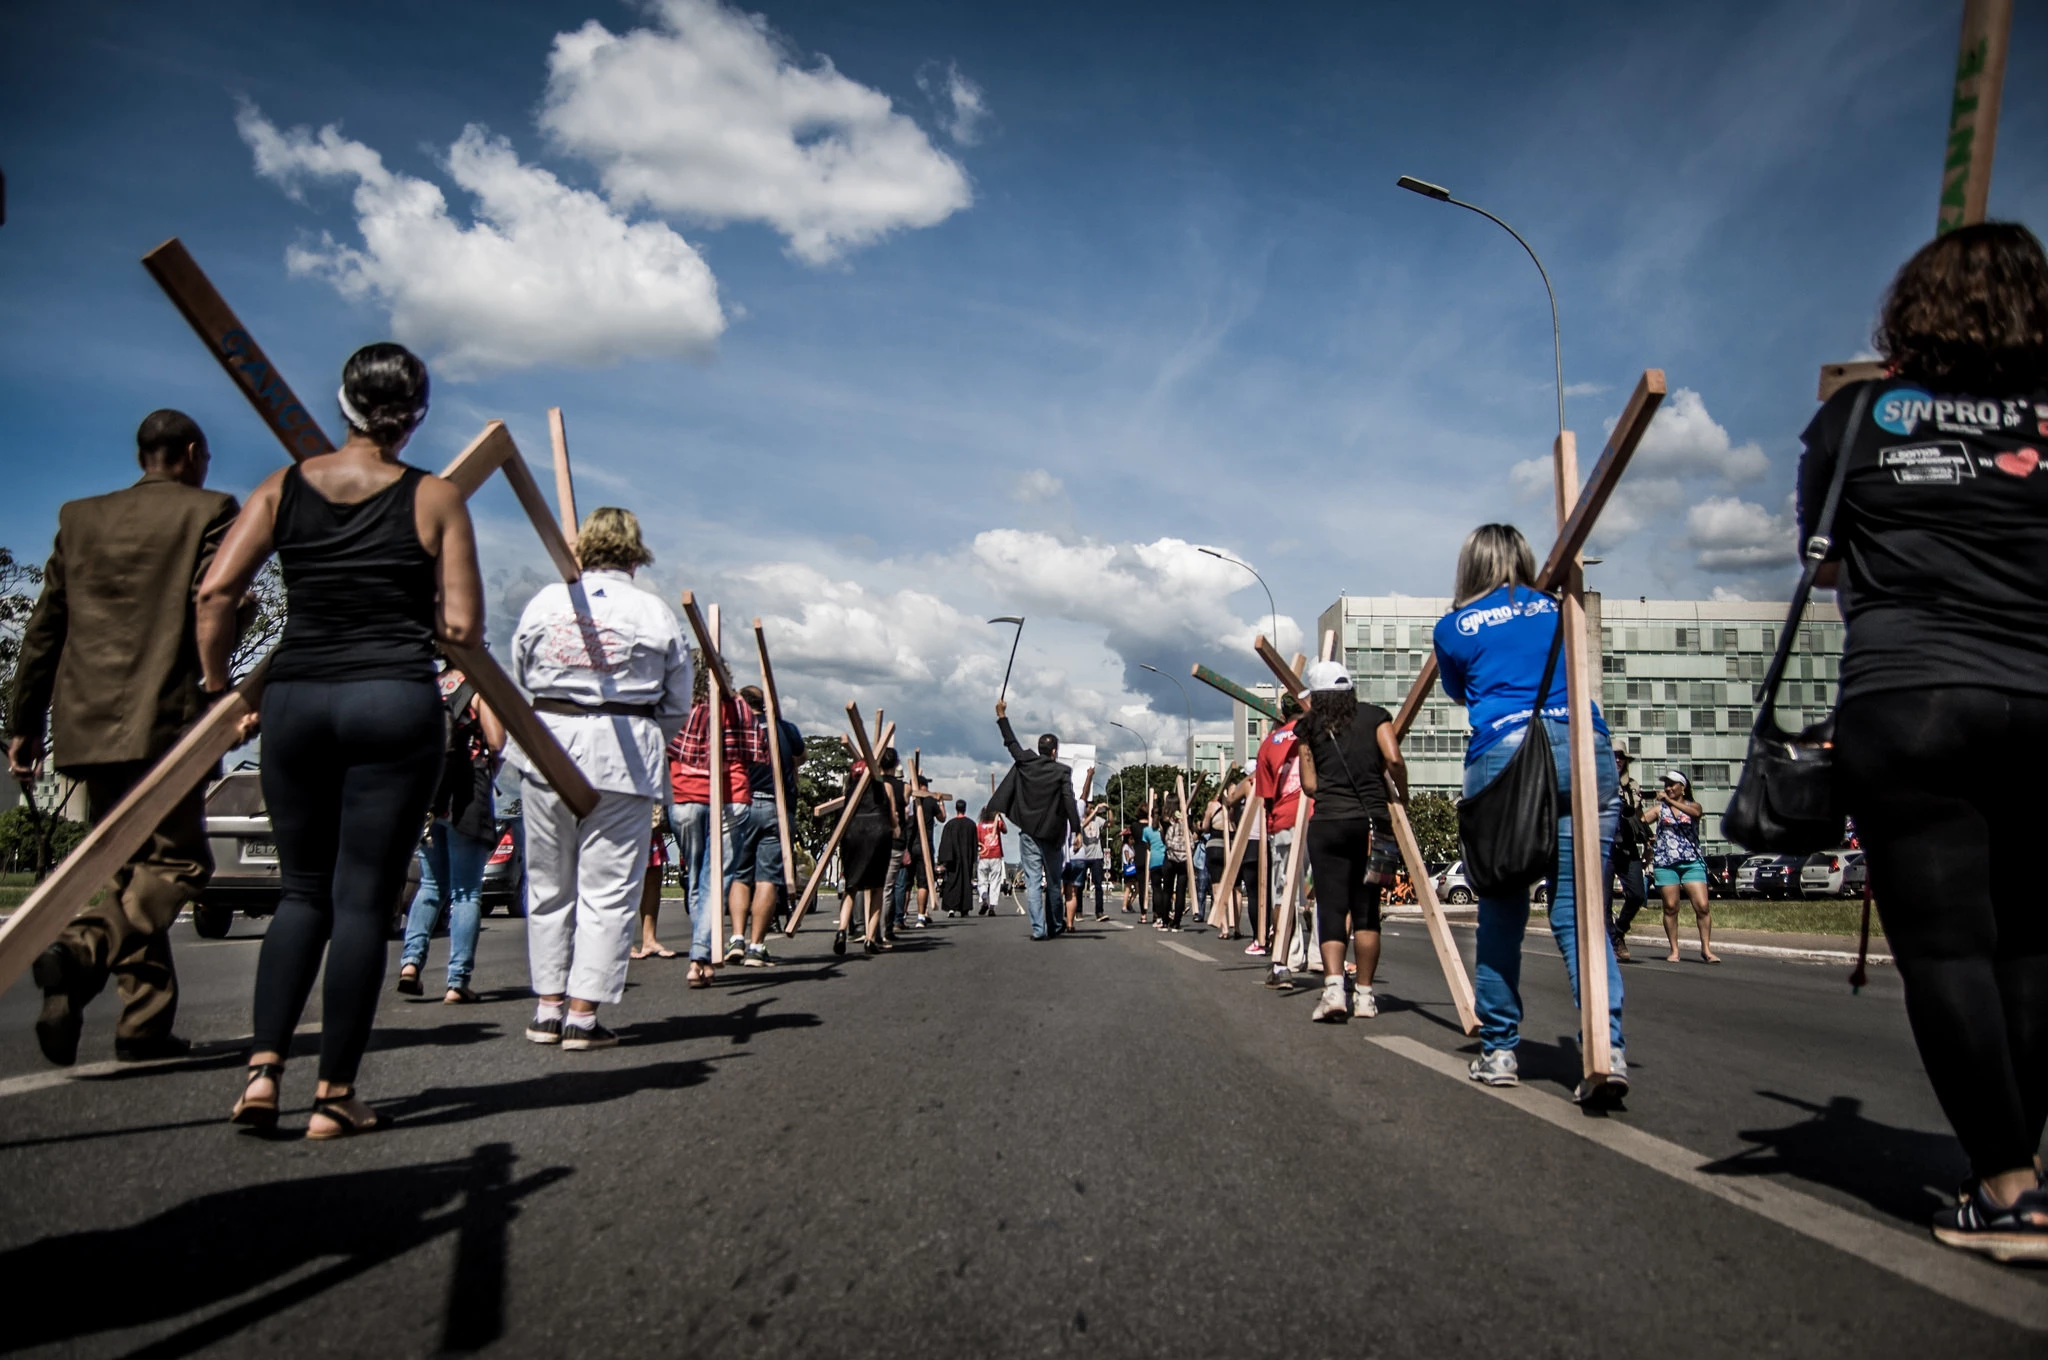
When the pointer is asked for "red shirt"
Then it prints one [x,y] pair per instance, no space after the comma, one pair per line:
[991,834]
[1279,778]
[690,753]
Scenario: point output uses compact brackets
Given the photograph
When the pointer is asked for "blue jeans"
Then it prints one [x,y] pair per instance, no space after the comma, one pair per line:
[1043,861]
[1503,920]
[707,905]
[451,871]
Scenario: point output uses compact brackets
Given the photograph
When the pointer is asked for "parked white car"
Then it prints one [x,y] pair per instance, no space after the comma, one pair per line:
[1451,886]
[1827,874]
[1745,877]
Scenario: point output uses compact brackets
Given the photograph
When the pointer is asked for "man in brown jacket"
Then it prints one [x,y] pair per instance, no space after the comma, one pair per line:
[110,662]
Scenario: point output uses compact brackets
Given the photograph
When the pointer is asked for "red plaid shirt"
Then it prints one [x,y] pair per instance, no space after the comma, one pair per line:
[746,743]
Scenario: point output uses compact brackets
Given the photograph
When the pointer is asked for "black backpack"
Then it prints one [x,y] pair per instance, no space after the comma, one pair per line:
[1507,831]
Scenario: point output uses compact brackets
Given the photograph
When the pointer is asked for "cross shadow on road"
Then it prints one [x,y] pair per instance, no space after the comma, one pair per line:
[1887,1167]
[557,1090]
[263,1238]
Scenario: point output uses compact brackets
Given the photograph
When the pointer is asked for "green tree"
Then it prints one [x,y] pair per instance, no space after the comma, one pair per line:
[821,778]
[1125,791]
[1435,818]
[19,584]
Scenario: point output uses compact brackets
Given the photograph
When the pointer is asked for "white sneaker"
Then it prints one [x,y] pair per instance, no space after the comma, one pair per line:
[1330,1006]
[1497,1068]
[1363,1004]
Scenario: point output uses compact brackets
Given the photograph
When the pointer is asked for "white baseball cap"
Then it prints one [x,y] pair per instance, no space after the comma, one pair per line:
[1326,675]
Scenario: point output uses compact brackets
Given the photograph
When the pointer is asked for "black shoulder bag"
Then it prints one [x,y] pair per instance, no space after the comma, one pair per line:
[1507,831]
[1785,800]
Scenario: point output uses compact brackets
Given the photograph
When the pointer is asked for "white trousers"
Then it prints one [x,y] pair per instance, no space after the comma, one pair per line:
[583,885]
[988,878]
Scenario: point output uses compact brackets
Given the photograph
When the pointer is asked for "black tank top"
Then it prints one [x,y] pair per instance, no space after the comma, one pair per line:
[359,588]
[1350,783]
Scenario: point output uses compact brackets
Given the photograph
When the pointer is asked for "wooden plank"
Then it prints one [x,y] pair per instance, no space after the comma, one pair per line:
[1587,849]
[1238,692]
[773,704]
[524,726]
[1418,694]
[716,783]
[1973,114]
[924,833]
[208,313]
[810,892]
[53,903]
[1290,886]
[1288,676]
[520,477]
[1448,959]
[484,455]
[705,644]
[1621,446]
[1835,377]
[1180,785]
[1240,837]
[565,481]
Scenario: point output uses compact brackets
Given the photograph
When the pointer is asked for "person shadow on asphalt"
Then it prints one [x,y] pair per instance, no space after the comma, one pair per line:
[224,1245]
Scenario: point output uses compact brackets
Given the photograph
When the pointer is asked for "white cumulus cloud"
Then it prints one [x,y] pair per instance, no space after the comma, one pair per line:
[961,103]
[545,273]
[709,115]
[1684,441]
[1737,535]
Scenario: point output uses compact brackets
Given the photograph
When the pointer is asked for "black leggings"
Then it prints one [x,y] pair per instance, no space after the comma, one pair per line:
[1955,869]
[1340,851]
[1170,891]
[349,770]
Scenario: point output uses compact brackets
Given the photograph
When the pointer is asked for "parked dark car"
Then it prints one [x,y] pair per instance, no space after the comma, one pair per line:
[245,875]
[1778,877]
[1721,870]
[505,871]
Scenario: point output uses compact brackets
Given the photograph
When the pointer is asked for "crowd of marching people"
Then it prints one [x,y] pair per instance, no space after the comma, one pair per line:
[372,736]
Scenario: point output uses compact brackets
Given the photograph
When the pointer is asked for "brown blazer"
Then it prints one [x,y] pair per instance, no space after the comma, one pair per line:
[111,653]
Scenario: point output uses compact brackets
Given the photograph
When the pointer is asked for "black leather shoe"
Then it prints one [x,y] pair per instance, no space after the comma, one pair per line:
[154,1049]
[56,971]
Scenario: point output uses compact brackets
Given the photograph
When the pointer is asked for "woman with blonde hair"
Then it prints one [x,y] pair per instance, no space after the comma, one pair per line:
[610,676]
[1492,650]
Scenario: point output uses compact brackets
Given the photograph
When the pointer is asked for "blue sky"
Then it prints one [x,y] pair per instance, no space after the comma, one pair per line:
[1087,286]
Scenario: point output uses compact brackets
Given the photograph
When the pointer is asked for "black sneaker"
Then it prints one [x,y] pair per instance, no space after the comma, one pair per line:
[56,971]
[576,1038]
[2013,1232]
[541,1031]
[153,1049]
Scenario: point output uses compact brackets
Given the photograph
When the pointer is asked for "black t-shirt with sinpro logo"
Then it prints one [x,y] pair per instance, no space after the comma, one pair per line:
[1942,533]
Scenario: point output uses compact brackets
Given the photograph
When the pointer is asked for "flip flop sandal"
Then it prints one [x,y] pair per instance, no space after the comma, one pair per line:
[409,986]
[258,1114]
[460,996]
[666,954]
[346,1124]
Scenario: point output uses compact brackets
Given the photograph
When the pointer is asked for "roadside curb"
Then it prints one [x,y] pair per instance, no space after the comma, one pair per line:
[1769,951]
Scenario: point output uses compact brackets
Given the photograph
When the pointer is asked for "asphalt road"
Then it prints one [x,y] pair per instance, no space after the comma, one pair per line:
[1116,1144]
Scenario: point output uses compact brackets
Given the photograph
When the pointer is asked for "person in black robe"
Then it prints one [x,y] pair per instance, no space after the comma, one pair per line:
[958,856]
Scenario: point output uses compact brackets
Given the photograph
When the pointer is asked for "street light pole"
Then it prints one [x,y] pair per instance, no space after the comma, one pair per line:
[1272,609]
[1147,767]
[1443,195]
[1186,704]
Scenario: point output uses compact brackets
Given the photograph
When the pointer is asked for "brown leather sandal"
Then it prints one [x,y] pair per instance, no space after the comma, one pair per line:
[347,1125]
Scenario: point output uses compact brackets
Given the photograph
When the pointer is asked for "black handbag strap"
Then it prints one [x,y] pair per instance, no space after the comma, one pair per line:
[1550,666]
[1815,554]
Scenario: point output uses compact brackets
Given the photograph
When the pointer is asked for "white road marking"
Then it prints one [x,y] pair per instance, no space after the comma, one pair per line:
[1195,954]
[1968,1280]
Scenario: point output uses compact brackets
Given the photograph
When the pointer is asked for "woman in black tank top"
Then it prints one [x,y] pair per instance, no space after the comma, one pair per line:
[378,559]
[1348,762]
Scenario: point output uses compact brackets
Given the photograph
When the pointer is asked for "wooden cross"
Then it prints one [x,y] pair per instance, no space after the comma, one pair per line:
[846,814]
[772,702]
[1563,571]
[114,839]
[1972,137]
[718,684]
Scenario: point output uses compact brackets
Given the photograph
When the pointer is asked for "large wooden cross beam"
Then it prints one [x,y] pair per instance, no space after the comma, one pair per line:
[847,810]
[1564,572]
[58,898]
[772,703]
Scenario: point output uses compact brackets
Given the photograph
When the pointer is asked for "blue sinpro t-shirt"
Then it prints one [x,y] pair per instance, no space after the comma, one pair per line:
[1491,653]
